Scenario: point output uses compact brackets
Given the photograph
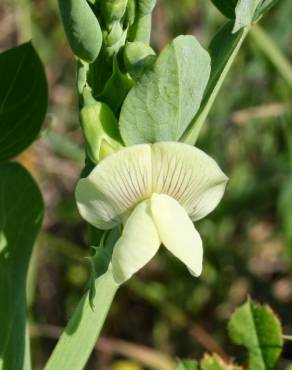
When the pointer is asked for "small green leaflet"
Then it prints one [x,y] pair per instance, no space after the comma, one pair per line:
[21,214]
[23,99]
[187,365]
[164,101]
[214,362]
[244,13]
[258,329]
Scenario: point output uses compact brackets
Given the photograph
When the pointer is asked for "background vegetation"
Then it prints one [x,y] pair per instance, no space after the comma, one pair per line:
[248,240]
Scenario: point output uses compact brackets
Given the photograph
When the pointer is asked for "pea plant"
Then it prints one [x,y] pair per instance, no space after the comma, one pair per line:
[144,182]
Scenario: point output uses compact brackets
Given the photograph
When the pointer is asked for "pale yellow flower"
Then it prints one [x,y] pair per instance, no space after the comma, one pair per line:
[155,191]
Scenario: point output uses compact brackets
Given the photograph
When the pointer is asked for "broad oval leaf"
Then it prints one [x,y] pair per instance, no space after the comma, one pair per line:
[163,102]
[258,329]
[23,99]
[21,214]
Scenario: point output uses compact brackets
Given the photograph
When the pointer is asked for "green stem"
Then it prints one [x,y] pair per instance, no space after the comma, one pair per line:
[215,83]
[77,341]
[264,43]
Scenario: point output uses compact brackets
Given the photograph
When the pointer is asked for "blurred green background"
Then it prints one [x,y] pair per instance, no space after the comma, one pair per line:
[163,313]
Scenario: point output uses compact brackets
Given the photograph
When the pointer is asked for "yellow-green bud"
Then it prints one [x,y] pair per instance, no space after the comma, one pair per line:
[138,57]
[100,129]
[113,10]
[115,39]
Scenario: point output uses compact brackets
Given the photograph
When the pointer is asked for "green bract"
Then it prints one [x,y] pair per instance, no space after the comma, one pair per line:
[155,191]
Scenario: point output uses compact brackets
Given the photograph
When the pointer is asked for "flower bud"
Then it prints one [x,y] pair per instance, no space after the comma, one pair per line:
[139,57]
[82,29]
[115,39]
[100,129]
[113,10]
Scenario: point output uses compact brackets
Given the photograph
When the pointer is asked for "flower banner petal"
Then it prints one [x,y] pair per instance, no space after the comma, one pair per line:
[177,232]
[137,245]
[188,175]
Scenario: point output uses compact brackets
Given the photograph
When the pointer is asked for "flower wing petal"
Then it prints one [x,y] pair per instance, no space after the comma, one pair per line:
[177,232]
[188,175]
[115,186]
[138,243]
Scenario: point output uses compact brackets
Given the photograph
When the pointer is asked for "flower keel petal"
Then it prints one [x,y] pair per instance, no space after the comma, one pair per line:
[177,232]
[137,245]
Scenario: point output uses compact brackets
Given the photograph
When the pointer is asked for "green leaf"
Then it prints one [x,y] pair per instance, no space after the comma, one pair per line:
[116,88]
[227,7]
[21,214]
[164,101]
[258,329]
[187,365]
[79,338]
[223,49]
[244,13]
[23,99]
[82,29]
[214,362]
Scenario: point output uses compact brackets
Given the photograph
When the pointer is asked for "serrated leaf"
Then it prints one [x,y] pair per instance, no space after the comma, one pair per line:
[164,101]
[23,99]
[258,329]
[214,362]
[21,213]
[187,365]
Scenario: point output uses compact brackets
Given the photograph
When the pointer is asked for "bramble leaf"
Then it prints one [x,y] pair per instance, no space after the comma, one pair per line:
[258,329]
[23,99]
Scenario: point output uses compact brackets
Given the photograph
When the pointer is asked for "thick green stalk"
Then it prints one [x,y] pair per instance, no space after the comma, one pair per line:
[76,343]
[264,43]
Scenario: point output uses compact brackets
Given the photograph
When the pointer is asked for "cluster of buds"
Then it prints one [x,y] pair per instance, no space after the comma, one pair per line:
[110,39]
